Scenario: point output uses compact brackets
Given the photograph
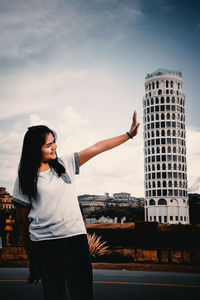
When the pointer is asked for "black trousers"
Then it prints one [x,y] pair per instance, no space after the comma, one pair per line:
[62,261]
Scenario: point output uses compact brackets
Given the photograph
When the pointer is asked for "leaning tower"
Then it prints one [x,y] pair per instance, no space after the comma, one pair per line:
[165,166]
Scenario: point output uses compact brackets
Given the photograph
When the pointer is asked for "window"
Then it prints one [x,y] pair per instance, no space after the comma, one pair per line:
[175,192]
[152,202]
[157,100]
[174,132]
[158,192]
[163,141]
[162,100]
[167,84]
[167,92]
[163,149]
[170,193]
[171,218]
[157,84]
[170,184]
[167,100]
[169,166]
[157,141]
[176,218]
[164,184]
[168,116]
[152,102]
[168,108]
[158,184]
[168,123]
[170,175]
[159,219]
[162,124]
[162,202]
[159,92]
[172,84]
[169,149]
[162,107]
[164,175]
[175,184]
[157,133]
[164,166]
[157,150]
[153,85]
[162,116]
[157,157]
[163,133]
[152,125]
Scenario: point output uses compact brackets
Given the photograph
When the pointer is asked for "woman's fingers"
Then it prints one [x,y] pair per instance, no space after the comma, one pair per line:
[135,117]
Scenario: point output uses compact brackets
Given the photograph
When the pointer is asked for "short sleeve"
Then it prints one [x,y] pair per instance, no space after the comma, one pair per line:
[71,162]
[18,197]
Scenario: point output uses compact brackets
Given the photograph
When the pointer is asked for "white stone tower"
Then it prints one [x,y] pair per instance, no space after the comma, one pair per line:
[165,166]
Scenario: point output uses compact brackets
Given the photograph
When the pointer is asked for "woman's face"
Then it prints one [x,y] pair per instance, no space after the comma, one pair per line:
[48,150]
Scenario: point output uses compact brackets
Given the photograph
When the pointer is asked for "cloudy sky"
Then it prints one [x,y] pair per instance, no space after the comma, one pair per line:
[78,66]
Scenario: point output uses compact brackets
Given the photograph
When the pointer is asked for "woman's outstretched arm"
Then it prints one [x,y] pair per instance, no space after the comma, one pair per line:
[108,144]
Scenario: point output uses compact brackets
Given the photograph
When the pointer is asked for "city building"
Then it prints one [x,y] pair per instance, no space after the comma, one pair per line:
[165,168]
[5,200]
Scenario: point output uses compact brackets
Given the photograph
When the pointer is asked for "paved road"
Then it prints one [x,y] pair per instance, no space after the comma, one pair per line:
[111,285]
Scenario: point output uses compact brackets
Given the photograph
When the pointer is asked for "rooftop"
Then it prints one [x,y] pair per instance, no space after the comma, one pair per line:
[163,72]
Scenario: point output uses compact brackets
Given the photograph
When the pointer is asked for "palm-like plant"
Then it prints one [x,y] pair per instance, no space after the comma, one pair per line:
[97,247]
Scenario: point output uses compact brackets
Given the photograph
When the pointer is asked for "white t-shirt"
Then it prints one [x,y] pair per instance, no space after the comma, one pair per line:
[55,212]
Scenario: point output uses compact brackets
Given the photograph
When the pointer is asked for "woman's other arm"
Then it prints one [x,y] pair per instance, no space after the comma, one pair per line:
[108,144]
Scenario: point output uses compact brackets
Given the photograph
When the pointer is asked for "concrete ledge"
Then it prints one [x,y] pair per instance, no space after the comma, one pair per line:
[148,267]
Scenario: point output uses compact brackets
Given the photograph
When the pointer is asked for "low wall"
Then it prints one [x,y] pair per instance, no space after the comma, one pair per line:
[15,255]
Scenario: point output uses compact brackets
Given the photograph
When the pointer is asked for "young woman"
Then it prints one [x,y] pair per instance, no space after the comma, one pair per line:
[49,217]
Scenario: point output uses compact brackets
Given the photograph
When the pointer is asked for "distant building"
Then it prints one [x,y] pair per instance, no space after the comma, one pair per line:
[91,203]
[194,203]
[122,196]
[166,199]
[5,200]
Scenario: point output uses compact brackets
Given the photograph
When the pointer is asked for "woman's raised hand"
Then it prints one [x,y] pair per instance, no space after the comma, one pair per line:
[134,126]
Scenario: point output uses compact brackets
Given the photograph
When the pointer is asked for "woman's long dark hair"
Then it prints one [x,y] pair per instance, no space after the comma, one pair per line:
[30,160]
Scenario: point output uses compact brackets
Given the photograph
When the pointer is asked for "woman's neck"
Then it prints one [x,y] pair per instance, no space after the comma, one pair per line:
[43,167]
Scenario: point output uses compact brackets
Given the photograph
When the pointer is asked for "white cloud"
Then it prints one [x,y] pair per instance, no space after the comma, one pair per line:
[193,159]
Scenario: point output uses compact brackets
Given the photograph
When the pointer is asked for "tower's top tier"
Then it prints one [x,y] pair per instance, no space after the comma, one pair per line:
[160,72]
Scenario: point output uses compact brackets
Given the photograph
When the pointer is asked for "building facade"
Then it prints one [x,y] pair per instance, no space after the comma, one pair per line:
[5,200]
[165,167]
